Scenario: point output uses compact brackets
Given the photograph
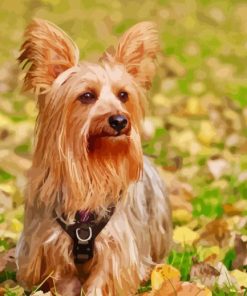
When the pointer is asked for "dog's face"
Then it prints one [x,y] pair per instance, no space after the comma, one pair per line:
[103,104]
[89,114]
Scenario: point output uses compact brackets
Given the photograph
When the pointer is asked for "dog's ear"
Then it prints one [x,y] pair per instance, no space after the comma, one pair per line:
[46,52]
[137,50]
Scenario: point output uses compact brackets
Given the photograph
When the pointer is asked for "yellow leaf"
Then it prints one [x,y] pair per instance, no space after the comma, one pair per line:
[160,100]
[9,234]
[156,278]
[8,188]
[163,272]
[186,140]
[30,108]
[4,121]
[193,106]
[207,133]
[16,225]
[184,235]
[204,252]
[181,215]
[208,292]
[240,276]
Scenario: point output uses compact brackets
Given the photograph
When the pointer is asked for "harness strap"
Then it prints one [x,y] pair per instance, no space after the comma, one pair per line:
[84,232]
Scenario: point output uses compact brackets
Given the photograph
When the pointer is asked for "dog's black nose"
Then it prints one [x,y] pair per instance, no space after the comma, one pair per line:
[118,122]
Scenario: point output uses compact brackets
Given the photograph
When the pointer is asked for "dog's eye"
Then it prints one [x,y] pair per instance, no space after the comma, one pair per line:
[87,97]
[123,96]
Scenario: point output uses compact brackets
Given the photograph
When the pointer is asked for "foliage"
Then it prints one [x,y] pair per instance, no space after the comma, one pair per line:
[195,128]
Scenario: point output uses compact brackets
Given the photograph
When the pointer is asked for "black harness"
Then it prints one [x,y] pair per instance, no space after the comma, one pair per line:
[84,231]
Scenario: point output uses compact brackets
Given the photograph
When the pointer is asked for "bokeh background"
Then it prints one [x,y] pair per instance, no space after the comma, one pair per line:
[195,129]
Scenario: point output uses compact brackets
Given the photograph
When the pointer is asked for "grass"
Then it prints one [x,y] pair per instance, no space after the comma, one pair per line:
[196,124]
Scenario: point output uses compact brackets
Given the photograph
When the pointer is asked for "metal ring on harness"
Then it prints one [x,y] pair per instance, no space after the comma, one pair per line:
[81,239]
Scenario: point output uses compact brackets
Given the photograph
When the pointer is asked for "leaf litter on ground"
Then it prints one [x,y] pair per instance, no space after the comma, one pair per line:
[196,132]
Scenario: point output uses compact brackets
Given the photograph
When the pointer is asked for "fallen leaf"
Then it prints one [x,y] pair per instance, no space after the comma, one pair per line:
[173,67]
[148,129]
[231,209]
[160,100]
[204,274]
[181,216]
[208,254]
[13,163]
[237,222]
[174,287]
[16,225]
[193,106]
[242,176]
[168,288]
[180,193]
[186,141]
[163,272]
[185,236]
[218,167]
[209,276]
[240,246]
[216,232]
[207,133]
[6,257]
[233,140]
[240,276]
[193,290]
[225,279]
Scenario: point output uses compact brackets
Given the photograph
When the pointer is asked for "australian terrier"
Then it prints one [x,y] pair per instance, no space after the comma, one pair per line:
[97,217]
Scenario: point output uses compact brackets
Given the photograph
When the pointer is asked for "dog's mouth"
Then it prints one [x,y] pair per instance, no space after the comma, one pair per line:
[104,136]
[107,132]
[115,139]
[114,135]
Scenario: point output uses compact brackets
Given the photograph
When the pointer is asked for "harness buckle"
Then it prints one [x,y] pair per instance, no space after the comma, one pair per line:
[84,239]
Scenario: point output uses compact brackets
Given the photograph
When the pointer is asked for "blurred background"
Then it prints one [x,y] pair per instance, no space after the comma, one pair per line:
[195,129]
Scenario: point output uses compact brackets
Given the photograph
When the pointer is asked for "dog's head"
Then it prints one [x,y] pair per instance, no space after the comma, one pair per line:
[88,128]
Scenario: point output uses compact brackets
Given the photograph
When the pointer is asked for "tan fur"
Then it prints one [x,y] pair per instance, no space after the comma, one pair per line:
[80,163]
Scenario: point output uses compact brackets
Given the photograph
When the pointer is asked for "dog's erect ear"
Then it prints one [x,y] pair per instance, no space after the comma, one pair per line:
[137,50]
[49,50]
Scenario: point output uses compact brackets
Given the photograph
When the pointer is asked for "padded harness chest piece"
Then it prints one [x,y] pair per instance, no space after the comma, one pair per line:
[84,231]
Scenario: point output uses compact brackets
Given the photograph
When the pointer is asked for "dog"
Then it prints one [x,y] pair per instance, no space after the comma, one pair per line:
[97,217]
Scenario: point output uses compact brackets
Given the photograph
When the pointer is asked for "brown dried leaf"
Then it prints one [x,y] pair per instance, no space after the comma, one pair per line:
[216,233]
[208,275]
[241,252]
[193,290]
[204,273]
[174,287]
[180,194]
[6,258]
[232,210]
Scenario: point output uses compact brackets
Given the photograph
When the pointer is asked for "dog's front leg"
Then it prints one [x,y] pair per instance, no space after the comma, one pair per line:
[68,286]
[45,252]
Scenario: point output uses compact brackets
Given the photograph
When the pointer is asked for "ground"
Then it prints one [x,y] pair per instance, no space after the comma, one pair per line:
[195,130]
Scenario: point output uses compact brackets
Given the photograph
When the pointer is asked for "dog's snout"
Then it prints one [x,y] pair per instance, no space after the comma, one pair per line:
[118,122]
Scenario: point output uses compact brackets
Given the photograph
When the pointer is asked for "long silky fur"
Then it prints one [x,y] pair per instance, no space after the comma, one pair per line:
[123,259]
[75,166]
